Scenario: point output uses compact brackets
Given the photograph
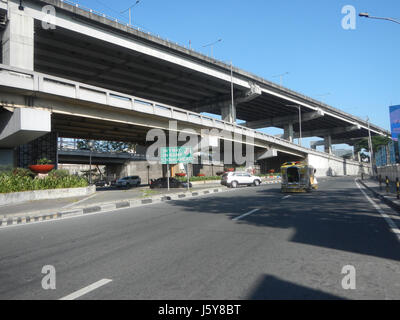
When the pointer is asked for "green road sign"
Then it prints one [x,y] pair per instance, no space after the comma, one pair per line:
[176,155]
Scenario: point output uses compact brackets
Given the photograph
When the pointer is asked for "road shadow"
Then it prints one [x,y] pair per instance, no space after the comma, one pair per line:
[272,288]
[341,219]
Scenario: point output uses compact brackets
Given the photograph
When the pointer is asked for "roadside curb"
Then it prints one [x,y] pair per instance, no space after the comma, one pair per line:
[103,207]
[391,201]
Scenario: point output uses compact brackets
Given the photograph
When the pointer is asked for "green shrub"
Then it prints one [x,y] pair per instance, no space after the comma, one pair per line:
[22,172]
[10,182]
[44,161]
[59,173]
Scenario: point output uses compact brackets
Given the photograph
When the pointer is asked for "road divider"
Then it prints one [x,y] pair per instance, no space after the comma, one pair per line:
[35,217]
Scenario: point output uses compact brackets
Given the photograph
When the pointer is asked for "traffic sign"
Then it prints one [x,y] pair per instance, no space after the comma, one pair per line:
[176,155]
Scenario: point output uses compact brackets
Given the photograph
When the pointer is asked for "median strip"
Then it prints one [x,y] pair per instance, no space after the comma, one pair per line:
[36,217]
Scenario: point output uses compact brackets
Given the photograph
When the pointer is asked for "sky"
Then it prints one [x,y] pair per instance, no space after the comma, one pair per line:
[352,70]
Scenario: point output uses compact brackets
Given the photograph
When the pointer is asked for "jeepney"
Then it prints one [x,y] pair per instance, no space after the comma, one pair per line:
[298,177]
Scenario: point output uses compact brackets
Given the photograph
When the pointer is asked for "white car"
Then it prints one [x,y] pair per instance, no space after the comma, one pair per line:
[127,182]
[234,179]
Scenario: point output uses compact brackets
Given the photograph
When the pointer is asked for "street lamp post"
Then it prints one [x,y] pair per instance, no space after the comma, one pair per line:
[130,11]
[300,139]
[281,77]
[232,97]
[371,151]
[212,46]
[366,15]
[90,145]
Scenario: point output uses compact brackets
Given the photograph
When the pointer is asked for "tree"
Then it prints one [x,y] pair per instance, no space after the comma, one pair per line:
[377,141]
[107,146]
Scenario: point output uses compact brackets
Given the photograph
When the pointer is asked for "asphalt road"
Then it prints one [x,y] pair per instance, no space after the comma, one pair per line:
[292,247]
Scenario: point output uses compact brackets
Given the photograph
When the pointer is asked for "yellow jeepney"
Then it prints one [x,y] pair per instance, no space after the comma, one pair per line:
[298,177]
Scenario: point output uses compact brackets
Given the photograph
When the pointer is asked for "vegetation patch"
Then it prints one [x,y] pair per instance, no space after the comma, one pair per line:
[19,180]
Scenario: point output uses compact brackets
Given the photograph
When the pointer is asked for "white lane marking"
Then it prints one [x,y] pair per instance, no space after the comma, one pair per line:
[75,203]
[393,227]
[245,215]
[86,290]
[285,197]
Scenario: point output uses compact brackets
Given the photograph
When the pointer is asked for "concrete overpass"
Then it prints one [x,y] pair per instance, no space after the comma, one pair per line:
[98,78]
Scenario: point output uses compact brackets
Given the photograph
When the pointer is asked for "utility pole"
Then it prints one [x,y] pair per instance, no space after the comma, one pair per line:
[233,100]
[371,151]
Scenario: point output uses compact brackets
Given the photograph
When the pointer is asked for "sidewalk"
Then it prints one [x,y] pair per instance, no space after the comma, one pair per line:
[390,198]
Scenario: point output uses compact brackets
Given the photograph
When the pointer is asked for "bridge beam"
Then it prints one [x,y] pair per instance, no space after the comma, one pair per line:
[282,121]
[314,144]
[18,39]
[326,132]
[22,126]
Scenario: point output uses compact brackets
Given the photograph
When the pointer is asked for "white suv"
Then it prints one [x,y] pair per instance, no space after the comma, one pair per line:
[234,179]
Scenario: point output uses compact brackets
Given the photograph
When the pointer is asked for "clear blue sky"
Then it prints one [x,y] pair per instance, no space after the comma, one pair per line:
[359,68]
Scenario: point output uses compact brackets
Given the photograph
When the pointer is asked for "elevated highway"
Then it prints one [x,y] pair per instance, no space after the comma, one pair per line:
[91,72]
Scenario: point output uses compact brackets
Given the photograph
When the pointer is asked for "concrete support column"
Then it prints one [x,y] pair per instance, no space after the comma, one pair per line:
[358,156]
[328,144]
[288,133]
[228,113]
[18,39]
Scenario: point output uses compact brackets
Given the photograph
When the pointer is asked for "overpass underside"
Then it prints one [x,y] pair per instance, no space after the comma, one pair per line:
[89,77]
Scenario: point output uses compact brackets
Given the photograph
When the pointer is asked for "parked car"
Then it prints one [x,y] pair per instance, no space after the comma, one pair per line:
[127,182]
[101,183]
[173,183]
[234,179]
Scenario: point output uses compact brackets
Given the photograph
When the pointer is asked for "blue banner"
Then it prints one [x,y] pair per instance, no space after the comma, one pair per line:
[395,121]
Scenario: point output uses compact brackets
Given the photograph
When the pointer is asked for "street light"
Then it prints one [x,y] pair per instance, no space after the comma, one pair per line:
[90,145]
[281,77]
[130,11]
[212,46]
[366,15]
[299,107]
[371,151]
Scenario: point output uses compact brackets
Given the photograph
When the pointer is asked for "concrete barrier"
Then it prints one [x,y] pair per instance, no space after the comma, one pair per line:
[20,197]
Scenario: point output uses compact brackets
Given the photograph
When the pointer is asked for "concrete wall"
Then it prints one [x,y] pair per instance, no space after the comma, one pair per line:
[78,168]
[327,166]
[139,168]
[20,197]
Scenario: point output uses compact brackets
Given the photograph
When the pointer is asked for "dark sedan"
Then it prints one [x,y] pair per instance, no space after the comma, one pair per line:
[163,183]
